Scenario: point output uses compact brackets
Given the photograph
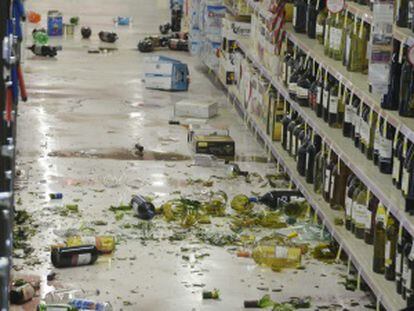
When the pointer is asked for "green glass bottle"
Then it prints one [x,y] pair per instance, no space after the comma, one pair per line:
[379,241]
[326,39]
[335,37]
[360,211]
[320,25]
[391,247]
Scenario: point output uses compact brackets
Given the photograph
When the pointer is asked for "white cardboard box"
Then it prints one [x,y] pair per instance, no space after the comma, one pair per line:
[203,110]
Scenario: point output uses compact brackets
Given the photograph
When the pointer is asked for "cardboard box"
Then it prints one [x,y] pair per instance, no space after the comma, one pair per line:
[221,146]
[204,130]
[192,109]
[163,73]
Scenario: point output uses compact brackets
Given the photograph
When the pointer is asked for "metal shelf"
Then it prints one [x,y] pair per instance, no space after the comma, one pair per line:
[359,253]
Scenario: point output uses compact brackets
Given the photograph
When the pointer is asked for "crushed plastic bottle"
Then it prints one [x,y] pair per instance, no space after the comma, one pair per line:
[76,298]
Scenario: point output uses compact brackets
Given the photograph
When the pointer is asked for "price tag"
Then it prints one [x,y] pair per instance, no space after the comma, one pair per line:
[410,55]
[335,6]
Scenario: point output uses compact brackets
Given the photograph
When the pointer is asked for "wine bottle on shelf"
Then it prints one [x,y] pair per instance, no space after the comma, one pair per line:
[339,186]
[406,104]
[357,127]
[377,140]
[284,73]
[326,97]
[335,37]
[299,16]
[364,129]
[285,122]
[289,135]
[329,166]
[391,99]
[379,241]
[406,186]
[319,94]
[302,155]
[372,121]
[409,198]
[349,115]
[391,236]
[311,15]
[399,260]
[401,18]
[357,191]
[371,220]
[349,26]
[320,25]
[385,161]
[311,151]
[313,90]
[294,77]
[304,84]
[359,43]
[352,184]
[406,167]
[295,138]
[410,279]
[336,106]
[360,211]
[406,278]
[326,40]
[318,171]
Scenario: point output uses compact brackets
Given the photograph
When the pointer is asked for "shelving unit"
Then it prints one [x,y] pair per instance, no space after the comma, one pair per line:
[380,185]
[359,253]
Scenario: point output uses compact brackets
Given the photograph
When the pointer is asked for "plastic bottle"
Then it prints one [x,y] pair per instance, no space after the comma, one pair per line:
[144,209]
[76,299]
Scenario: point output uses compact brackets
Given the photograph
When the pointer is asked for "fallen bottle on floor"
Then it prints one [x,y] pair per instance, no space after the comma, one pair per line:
[75,298]
[104,244]
[44,50]
[214,294]
[86,32]
[63,257]
[142,208]
[109,37]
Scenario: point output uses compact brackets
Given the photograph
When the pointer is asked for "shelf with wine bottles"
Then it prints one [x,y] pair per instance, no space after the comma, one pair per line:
[379,184]
[354,81]
[358,252]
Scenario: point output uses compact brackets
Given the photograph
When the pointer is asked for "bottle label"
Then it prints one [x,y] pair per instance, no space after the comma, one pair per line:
[368,219]
[333,104]
[347,48]
[405,270]
[294,16]
[332,187]
[325,99]
[307,161]
[360,214]
[385,148]
[396,168]
[335,38]
[348,207]
[364,131]
[398,267]
[281,252]
[348,114]
[301,92]
[405,181]
[293,146]
[288,140]
[82,259]
[327,180]
[377,141]
[357,125]
[319,29]
[388,257]
[319,95]
[292,87]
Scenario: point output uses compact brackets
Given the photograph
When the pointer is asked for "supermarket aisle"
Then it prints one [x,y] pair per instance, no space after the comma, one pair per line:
[77,135]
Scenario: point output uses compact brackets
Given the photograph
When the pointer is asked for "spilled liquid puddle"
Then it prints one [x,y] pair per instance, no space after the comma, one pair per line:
[121,154]
[256,159]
